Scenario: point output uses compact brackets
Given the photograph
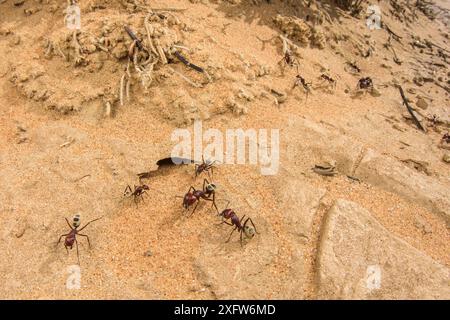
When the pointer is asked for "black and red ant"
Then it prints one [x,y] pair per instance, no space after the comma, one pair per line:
[300,81]
[74,232]
[138,192]
[365,83]
[328,79]
[242,228]
[288,58]
[193,195]
[205,166]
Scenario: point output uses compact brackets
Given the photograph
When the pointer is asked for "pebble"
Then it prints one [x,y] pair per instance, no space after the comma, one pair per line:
[421,103]
[446,158]
[148,253]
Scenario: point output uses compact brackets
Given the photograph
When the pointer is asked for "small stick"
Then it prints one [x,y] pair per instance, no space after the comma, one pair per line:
[121,89]
[394,35]
[127,89]
[187,63]
[149,30]
[168,9]
[410,110]
[108,109]
[161,53]
[134,37]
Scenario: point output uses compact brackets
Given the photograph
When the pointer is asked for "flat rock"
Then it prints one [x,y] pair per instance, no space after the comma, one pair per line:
[360,259]
[319,143]
[300,201]
[393,176]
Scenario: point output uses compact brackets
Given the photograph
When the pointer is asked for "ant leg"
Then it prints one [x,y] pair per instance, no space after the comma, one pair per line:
[208,199]
[89,223]
[83,235]
[142,195]
[205,181]
[242,231]
[224,221]
[128,188]
[69,224]
[251,221]
[194,208]
[231,234]
[66,248]
[59,240]
[196,171]
[78,254]
[214,201]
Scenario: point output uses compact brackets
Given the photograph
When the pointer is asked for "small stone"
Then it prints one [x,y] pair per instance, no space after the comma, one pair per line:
[18,2]
[148,253]
[421,103]
[423,225]
[446,158]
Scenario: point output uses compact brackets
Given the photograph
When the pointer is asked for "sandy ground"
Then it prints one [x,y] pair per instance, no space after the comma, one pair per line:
[152,251]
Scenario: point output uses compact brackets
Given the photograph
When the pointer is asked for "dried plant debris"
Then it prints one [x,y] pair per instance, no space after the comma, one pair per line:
[410,110]
[301,32]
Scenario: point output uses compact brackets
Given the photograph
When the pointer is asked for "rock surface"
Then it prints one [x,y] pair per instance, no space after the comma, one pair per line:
[394,176]
[360,259]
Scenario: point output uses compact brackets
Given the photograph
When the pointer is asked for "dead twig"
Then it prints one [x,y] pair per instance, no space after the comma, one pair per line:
[187,63]
[134,37]
[410,110]
[392,33]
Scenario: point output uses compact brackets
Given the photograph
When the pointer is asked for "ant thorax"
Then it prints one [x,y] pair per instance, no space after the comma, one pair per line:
[76,221]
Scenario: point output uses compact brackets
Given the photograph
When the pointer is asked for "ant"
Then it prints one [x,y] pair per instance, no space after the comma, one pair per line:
[191,197]
[71,236]
[353,65]
[445,138]
[288,58]
[248,230]
[138,192]
[329,79]
[300,81]
[205,166]
[365,83]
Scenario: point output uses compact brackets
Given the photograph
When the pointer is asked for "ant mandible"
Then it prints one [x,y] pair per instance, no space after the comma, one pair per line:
[71,237]
[242,228]
[193,195]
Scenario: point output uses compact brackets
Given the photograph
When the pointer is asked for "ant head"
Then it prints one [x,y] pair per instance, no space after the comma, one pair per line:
[211,187]
[145,187]
[76,221]
[249,231]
